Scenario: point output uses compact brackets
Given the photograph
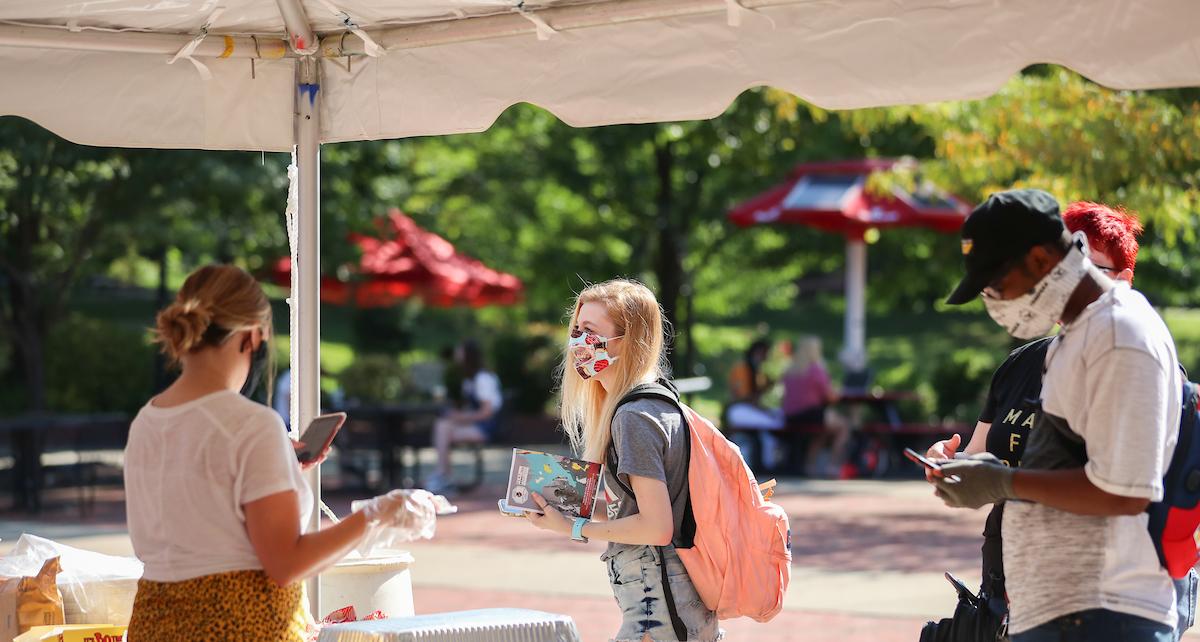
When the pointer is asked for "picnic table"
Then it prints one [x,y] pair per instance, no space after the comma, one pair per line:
[30,435]
[884,402]
[388,429]
[880,436]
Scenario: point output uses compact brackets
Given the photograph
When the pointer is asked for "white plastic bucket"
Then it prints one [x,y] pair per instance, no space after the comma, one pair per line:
[372,584]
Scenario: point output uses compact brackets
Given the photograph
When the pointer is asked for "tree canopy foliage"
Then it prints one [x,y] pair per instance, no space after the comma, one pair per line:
[560,207]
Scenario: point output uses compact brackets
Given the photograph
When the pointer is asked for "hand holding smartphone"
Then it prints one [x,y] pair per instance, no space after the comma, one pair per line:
[929,464]
[319,436]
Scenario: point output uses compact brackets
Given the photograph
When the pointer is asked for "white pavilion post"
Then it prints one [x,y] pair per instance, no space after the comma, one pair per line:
[854,351]
[306,297]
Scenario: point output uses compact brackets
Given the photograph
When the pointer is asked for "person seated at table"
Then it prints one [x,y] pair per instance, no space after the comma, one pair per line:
[215,500]
[746,412]
[475,422]
[807,398]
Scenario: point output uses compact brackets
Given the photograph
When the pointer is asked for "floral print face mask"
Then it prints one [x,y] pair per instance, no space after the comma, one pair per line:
[589,352]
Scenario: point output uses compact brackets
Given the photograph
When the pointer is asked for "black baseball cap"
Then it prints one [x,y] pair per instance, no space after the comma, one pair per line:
[1001,230]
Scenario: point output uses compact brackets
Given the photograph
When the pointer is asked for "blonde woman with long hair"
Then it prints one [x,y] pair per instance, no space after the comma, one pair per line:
[808,395]
[615,344]
[215,501]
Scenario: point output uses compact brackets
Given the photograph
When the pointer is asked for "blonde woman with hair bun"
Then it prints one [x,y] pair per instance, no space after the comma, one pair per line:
[215,499]
[616,342]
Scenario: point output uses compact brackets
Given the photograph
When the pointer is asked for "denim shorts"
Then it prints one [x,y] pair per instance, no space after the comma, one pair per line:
[636,578]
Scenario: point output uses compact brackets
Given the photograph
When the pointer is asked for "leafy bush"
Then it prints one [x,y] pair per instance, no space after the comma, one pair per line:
[525,361]
[387,329]
[373,378]
[1189,357]
[961,381]
[97,366]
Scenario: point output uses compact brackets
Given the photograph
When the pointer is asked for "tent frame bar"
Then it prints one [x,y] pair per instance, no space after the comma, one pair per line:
[306,307]
[568,18]
[214,46]
[414,36]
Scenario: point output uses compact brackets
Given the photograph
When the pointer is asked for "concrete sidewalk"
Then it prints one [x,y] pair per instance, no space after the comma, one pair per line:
[868,558]
[840,590]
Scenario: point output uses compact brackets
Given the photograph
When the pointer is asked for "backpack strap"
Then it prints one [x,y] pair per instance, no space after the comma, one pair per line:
[665,391]
[662,390]
[1183,444]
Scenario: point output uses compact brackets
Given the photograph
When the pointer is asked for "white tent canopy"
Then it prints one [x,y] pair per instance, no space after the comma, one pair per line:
[455,65]
[279,75]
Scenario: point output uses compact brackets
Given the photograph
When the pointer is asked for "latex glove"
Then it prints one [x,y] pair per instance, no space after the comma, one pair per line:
[981,480]
[407,510]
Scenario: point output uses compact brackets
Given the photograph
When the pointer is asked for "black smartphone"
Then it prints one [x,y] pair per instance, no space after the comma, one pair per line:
[931,465]
[319,435]
[963,591]
[921,459]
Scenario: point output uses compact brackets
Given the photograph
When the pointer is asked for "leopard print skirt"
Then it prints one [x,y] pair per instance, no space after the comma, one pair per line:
[234,606]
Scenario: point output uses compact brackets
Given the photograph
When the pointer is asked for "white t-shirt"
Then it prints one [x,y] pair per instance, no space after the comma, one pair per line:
[484,387]
[188,471]
[1114,377]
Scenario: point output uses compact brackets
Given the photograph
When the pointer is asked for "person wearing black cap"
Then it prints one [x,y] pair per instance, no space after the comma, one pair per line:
[1078,560]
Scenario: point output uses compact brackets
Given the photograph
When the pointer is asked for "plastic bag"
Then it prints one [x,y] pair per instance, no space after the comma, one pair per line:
[96,588]
[340,616]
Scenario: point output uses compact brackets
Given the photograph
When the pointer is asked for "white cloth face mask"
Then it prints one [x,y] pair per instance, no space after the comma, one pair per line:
[1035,313]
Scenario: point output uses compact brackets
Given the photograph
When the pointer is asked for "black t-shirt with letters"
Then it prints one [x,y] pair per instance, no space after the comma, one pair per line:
[1013,402]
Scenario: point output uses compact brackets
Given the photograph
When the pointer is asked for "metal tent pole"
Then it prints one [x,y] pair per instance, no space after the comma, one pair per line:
[306,378]
[300,33]
[854,353]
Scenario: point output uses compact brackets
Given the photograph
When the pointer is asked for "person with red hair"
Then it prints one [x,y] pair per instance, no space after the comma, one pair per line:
[1012,408]
[1112,236]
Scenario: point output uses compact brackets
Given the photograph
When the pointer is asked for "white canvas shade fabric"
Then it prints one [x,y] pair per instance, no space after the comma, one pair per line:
[96,72]
[836,54]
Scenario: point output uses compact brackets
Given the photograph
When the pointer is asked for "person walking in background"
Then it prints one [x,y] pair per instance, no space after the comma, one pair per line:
[746,413]
[215,500]
[807,398]
[475,422]
[617,343]
[1078,561]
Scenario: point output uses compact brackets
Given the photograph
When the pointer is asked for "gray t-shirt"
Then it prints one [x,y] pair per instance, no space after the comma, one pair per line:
[648,435]
[1113,377]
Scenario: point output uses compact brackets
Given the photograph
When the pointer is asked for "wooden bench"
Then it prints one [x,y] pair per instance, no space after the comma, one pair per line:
[796,436]
[877,446]
[64,449]
[887,442]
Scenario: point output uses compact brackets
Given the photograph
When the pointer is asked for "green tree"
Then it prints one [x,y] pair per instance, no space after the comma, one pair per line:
[560,206]
[1053,129]
[67,211]
[53,196]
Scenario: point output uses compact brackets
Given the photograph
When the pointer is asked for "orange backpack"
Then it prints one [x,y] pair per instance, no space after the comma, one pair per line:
[735,545]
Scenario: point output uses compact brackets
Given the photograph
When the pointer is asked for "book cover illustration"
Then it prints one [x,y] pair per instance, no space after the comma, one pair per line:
[569,485]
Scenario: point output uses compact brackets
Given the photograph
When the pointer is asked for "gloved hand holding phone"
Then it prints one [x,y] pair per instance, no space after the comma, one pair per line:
[974,482]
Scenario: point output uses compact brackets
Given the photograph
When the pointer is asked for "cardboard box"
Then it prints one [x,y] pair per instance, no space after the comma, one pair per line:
[74,633]
[94,634]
